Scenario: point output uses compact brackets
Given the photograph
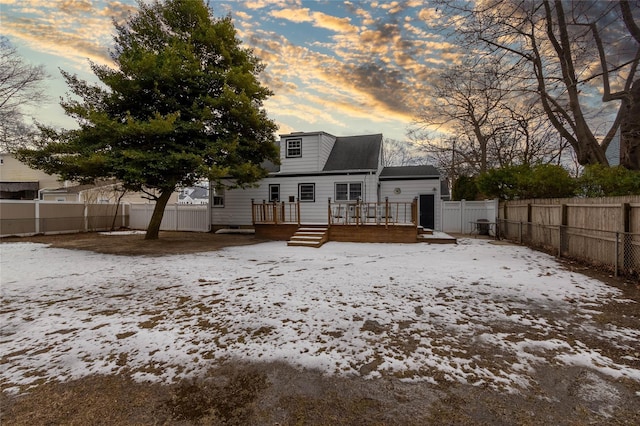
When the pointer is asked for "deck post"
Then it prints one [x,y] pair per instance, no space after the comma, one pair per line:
[253,212]
[386,212]
[283,212]
[298,210]
[414,211]
[358,212]
[275,213]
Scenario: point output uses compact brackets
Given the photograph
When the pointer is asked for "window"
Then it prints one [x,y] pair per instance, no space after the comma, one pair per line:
[294,148]
[307,192]
[348,191]
[218,196]
[274,193]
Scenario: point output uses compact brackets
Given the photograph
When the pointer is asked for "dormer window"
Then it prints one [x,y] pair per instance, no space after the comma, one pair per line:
[294,148]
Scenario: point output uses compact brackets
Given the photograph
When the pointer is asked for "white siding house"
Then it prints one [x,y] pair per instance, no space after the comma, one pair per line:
[315,167]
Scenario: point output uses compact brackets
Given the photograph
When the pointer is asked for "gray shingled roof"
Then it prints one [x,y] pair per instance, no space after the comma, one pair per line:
[409,172]
[355,153]
[270,166]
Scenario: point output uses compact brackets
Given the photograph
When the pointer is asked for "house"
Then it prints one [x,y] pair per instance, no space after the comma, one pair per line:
[20,182]
[194,195]
[331,178]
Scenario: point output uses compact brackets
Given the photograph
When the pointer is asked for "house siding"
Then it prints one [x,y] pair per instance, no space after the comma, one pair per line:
[237,208]
[409,189]
[12,170]
[310,154]
[326,145]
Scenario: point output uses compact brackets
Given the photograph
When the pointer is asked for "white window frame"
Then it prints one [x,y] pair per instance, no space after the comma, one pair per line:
[271,187]
[313,193]
[217,197]
[294,148]
[348,198]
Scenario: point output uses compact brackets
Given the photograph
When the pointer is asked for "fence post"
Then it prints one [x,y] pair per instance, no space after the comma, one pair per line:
[463,208]
[564,222]
[626,242]
[37,216]
[85,213]
[617,248]
[520,232]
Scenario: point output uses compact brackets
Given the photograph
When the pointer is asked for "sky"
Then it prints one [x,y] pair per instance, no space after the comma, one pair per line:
[479,313]
[343,67]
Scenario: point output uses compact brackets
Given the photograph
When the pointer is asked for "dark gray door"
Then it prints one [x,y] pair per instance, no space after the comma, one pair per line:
[427,211]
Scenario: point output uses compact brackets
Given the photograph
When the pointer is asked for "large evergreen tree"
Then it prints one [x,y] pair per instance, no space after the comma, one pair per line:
[182,104]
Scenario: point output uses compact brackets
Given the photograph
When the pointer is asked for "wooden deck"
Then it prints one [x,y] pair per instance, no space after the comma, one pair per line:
[346,222]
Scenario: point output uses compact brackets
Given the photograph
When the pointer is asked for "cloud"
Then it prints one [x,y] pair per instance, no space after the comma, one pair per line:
[75,6]
[339,25]
[429,15]
[293,15]
[317,19]
[261,4]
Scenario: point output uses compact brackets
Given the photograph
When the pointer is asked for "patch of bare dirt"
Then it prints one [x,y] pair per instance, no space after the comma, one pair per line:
[135,245]
[277,394]
[236,393]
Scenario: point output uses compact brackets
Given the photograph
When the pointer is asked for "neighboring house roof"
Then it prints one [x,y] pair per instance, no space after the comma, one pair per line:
[76,189]
[195,193]
[409,172]
[355,153]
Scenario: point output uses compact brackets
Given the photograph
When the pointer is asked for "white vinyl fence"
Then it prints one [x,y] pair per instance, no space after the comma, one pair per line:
[458,215]
[177,217]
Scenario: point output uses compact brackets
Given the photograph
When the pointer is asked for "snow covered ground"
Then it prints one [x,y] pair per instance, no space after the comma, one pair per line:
[475,313]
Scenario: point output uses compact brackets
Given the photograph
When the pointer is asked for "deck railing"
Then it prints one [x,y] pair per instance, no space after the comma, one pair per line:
[275,212]
[339,213]
[363,213]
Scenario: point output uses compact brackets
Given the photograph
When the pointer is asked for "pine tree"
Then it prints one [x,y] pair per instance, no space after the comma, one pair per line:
[183,103]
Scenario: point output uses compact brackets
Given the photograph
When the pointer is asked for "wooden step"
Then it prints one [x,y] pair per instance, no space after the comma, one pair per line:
[309,237]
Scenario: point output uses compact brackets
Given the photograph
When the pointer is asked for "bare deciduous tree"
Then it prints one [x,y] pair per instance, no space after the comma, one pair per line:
[478,121]
[569,53]
[399,153]
[20,85]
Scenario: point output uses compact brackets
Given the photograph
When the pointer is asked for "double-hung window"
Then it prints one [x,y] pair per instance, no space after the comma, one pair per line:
[349,191]
[274,193]
[294,148]
[218,196]
[307,192]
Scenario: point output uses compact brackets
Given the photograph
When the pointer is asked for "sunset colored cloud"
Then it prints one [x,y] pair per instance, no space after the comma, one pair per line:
[344,67]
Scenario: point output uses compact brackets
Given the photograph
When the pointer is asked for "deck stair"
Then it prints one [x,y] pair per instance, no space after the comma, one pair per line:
[309,236]
[426,235]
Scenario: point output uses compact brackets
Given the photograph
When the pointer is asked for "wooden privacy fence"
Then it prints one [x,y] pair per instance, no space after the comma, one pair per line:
[31,217]
[602,231]
[177,217]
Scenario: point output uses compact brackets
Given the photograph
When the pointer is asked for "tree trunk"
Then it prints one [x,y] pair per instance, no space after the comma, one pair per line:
[158,212]
[115,215]
[630,130]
